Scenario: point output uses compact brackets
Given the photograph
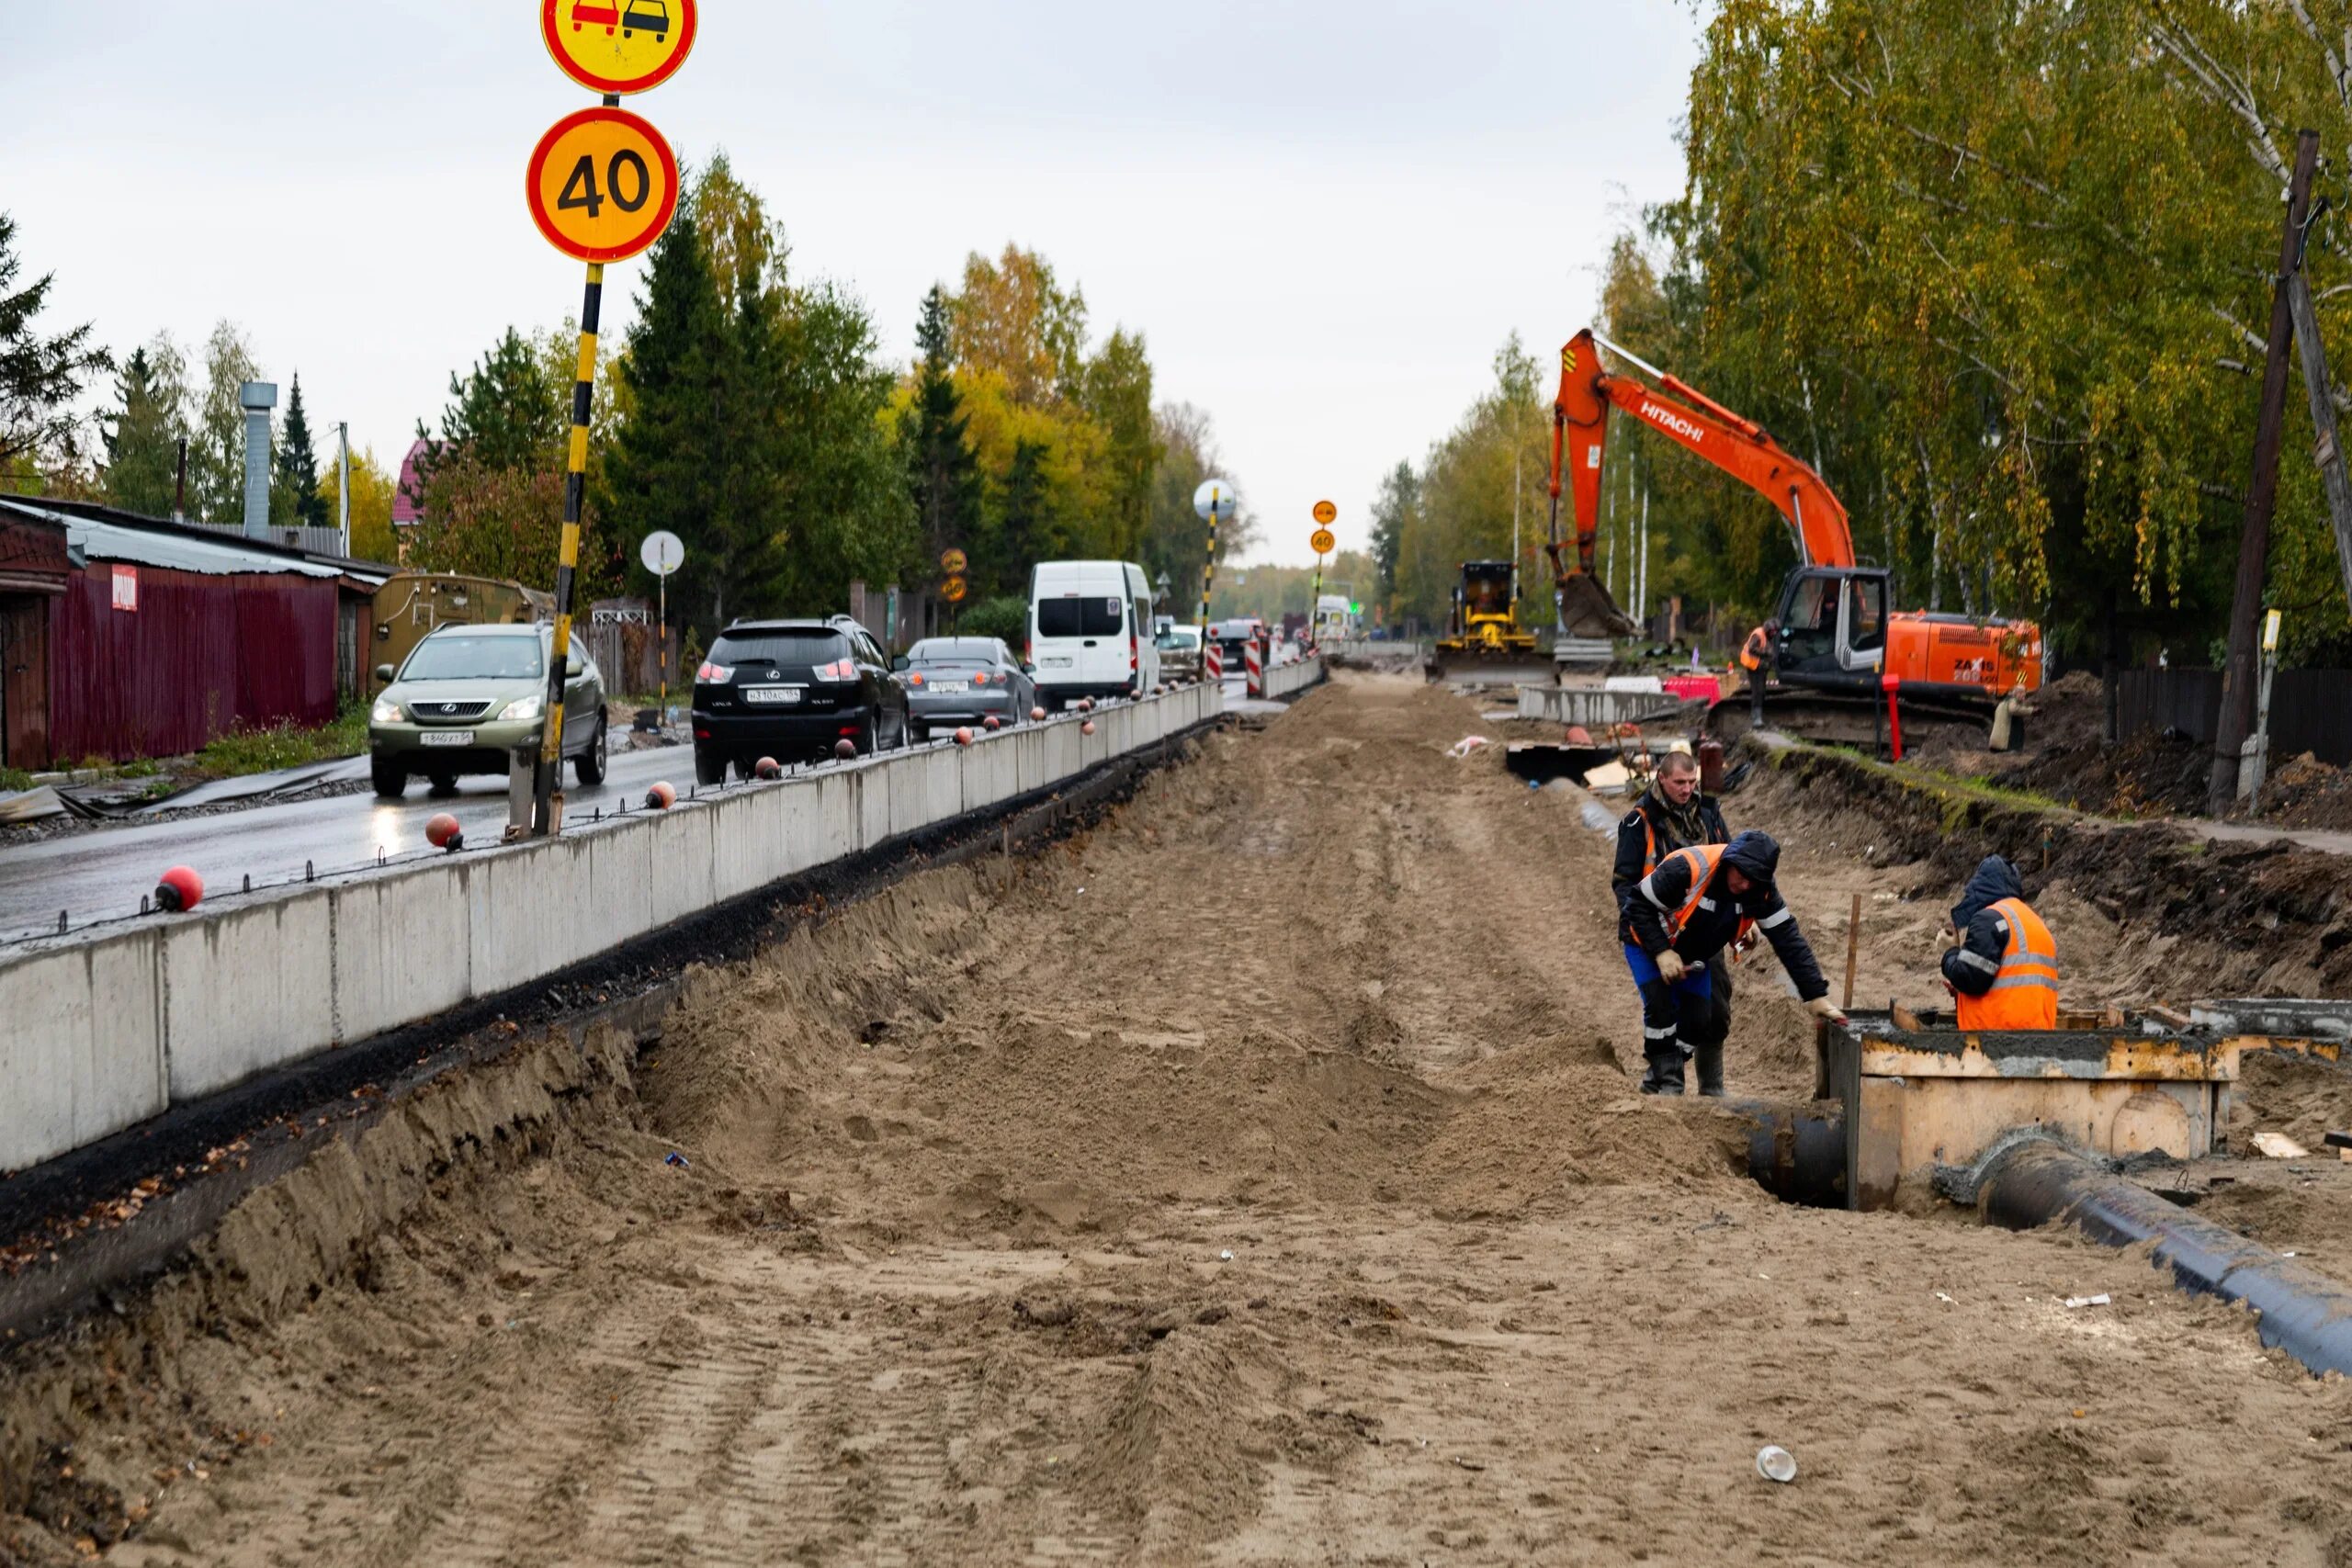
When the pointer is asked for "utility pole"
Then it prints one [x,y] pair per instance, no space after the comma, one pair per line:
[1642,578]
[2327,452]
[343,483]
[2261,497]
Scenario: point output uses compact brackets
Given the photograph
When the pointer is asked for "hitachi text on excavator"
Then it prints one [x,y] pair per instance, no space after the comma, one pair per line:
[1834,642]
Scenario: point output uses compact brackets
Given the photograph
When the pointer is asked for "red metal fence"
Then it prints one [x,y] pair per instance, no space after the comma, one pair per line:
[198,656]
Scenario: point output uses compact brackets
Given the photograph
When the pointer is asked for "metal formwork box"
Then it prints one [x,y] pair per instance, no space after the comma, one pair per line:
[1917,1100]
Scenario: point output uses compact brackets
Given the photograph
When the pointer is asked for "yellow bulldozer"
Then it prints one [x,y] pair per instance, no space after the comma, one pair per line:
[1483,641]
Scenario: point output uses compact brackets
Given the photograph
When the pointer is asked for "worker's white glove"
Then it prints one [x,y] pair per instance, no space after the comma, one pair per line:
[1822,1007]
[1670,967]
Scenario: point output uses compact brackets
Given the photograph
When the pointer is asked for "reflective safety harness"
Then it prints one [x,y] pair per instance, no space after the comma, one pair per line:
[1700,878]
[1703,859]
[2025,990]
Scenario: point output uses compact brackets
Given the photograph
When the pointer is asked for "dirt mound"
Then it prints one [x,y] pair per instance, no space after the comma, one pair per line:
[2307,792]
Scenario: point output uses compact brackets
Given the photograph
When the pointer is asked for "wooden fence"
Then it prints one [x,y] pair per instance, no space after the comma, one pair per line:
[2311,710]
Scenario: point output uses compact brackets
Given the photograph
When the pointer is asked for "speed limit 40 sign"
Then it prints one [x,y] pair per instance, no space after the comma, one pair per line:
[602,184]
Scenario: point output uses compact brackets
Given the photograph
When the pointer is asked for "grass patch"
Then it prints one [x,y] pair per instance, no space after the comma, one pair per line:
[14,779]
[250,750]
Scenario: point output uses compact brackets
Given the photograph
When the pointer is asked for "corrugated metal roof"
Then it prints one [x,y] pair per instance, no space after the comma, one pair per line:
[180,550]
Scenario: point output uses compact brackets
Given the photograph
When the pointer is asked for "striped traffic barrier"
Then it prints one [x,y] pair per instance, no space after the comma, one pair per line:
[1213,659]
[1253,666]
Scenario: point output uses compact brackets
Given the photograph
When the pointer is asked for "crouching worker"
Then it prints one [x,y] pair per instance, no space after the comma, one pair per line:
[1681,916]
[2002,967]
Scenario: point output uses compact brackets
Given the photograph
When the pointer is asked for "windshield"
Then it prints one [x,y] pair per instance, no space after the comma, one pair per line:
[1178,637]
[475,659]
[1090,617]
[809,648]
[954,650]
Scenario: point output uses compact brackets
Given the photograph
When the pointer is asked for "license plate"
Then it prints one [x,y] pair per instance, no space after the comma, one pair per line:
[771,694]
[951,688]
[1058,663]
[445,738]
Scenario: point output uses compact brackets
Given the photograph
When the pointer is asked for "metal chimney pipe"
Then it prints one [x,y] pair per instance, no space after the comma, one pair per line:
[257,397]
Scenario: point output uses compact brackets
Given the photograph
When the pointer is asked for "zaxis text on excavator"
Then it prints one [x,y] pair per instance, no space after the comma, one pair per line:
[1836,640]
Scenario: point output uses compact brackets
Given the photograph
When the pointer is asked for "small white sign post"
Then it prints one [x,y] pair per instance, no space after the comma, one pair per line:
[664,553]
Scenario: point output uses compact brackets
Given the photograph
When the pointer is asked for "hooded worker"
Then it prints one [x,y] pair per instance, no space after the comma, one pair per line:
[1685,912]
[1672,814]
[2003,964]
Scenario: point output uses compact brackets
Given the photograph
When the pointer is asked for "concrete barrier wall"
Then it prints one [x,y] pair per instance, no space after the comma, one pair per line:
[1283,679]
[102,1028]
[1593,708]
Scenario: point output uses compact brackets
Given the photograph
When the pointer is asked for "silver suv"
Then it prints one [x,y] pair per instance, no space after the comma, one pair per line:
[468,696]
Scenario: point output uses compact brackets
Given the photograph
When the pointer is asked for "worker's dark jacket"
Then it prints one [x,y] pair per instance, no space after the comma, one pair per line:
[1973,966]
[1647,835]
[1714,918]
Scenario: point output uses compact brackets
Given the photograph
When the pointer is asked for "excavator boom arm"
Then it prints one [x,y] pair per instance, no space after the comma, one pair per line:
[1737,447]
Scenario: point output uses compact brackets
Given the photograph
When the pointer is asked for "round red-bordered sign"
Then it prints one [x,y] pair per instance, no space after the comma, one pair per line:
[618,46]
[602,184]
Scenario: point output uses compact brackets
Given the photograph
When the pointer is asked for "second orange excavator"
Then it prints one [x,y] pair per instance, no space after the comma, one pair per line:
[1834,641]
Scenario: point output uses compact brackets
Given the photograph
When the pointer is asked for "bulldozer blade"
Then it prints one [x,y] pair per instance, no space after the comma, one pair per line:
[1471,667]
[1588,611]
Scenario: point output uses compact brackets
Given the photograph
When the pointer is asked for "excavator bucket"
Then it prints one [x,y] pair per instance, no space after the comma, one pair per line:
[1588,611]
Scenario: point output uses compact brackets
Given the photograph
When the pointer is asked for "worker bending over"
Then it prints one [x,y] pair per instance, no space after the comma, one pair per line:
[2003,964]
[1687,911]
[1673,815]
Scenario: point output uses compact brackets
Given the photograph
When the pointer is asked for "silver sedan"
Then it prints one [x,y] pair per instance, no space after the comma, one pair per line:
[951,680]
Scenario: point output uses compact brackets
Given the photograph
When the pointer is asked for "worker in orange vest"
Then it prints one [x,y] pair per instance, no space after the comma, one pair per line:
[2002,966]
[1684,913]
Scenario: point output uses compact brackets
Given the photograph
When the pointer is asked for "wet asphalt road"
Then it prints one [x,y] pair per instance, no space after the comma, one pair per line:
[100,874]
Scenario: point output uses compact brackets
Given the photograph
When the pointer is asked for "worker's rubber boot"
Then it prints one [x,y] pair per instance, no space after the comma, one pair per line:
[1665,1074]
[1711,1070]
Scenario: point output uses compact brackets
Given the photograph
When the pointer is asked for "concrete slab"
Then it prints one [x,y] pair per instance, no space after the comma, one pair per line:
[247,988]
[80,1044]
[683,882]
[402,949]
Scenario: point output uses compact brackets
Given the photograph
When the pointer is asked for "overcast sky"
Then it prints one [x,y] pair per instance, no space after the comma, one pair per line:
[1324,216]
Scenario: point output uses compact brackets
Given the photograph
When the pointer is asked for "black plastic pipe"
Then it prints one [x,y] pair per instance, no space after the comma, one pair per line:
[1797,1152]
[2301,1313]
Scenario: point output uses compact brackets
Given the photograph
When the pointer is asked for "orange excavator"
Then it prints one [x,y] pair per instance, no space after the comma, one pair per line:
[1834,640]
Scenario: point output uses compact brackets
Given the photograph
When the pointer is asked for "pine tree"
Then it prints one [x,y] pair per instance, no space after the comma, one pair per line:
[1024,531]
[942,475]
[144,431]
[667,461]
[508,414]
[294,499]
[39,376]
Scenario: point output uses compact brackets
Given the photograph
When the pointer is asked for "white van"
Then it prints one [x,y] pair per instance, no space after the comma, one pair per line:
[1089,631]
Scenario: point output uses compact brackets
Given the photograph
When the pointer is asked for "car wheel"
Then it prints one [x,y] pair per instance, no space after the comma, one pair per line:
[591,764]
[870,740]
[918,733]
[444,783]
[390,778]
[709,769]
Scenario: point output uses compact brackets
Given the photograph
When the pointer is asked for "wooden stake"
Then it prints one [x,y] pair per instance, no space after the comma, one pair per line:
[1853,948]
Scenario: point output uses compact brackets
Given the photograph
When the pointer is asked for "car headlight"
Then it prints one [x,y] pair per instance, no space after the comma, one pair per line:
[526,707]
[386,711]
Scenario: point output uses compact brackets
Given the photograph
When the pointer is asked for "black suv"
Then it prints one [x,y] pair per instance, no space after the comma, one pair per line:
[793,689]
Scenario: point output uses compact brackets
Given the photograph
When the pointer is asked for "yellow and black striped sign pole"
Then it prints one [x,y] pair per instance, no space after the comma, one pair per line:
[1208,574]
[546,792]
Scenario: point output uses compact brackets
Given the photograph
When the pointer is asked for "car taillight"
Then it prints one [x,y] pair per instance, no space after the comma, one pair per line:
[915,679]
[839,670]
[716,674]
[981,679]
[1135,656]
